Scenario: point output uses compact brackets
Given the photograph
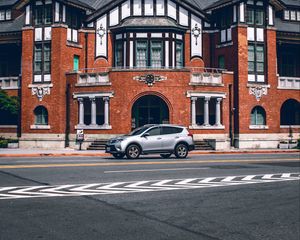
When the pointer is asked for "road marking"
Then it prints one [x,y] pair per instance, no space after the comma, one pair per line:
[23,192]
[107,164]
[155,170]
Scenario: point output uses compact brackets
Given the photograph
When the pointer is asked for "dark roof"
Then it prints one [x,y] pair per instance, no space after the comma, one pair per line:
[149,22]
[295,3]
[287,26]
[15,25]
[7,2]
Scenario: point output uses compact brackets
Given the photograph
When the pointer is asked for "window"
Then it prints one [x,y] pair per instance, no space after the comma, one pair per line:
[154,131]
[156,54]
[119,54]
[73,18]
[286,15]
[38,58]
[221,62]
[179,54]
[259,17]
[255,14]
[256,63]
[141,53]
[42,13]
[2,15]
[8,14]
[5,15]
[251,59]
[291,15]
[250,16]
[42,58]
[76,63]
[170,130]
[258,116]
[41,116]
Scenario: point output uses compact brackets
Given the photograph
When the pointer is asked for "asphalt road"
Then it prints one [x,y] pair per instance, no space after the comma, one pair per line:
[234,197]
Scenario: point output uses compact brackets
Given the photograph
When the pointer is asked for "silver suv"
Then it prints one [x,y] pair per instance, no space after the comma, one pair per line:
[164,139]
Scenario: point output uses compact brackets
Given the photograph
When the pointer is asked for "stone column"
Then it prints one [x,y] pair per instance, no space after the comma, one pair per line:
[93,109]
[218,112]
[81,111]
[194,99]
[106,111]
[206,111]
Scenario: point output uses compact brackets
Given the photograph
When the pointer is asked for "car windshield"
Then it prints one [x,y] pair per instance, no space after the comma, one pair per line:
[138,131]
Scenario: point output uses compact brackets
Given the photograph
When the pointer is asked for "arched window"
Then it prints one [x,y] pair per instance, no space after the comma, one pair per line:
[41,116]
[290,113]
[258,116]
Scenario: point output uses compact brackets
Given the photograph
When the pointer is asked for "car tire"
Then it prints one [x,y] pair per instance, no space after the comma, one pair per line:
[181,150]
[118,155]
[133,151]
[166,155]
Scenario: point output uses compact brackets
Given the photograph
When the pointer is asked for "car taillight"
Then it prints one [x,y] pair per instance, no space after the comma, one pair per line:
[190,135]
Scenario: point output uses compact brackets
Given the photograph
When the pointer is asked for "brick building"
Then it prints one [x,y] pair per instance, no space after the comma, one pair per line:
[228,70]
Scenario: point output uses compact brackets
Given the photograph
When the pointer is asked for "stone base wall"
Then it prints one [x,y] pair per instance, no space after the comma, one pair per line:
[257,141]
[42,141]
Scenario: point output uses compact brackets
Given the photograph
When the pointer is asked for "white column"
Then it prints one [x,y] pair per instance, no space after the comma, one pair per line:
[206,111]
[194,99]
[81,111]
[93,108]
[106,111]
[218,112]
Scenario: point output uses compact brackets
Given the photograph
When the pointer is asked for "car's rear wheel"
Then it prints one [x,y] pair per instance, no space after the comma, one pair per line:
[181,151]
[166,155]
[133,151]
[118,155]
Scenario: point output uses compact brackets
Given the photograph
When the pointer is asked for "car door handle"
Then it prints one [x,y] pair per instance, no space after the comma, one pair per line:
[158,138]
[176,137]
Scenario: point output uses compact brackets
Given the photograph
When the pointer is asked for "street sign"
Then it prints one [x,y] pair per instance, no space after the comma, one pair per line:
[80,135]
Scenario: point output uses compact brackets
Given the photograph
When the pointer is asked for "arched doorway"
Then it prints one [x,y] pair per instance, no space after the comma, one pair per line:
[290,113]
[149,109]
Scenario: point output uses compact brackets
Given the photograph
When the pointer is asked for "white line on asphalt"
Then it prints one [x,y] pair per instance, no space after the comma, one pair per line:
[155,170]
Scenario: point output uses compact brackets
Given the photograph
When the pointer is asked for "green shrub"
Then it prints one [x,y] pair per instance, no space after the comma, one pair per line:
[3,143]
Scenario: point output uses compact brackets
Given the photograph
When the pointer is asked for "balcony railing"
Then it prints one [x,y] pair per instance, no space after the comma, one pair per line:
[198,75]
[206,76]
[94,77]
[9,83]
[289,83]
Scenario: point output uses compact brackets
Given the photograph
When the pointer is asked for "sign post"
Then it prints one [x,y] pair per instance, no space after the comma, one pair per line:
[80,137]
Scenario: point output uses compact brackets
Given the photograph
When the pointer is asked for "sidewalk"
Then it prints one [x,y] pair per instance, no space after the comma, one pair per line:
[86,153]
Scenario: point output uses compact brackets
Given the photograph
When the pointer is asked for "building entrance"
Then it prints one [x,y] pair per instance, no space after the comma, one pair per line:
[149,109]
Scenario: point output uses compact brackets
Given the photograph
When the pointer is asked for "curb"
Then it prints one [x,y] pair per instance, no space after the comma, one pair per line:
[101,154]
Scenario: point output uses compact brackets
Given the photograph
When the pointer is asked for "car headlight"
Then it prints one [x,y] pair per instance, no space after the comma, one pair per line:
[119,140]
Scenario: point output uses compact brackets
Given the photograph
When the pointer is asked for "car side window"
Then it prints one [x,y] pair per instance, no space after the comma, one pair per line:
[171,130]
[154,131]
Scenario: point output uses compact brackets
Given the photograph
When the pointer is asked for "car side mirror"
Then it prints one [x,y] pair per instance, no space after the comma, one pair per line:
[146,135]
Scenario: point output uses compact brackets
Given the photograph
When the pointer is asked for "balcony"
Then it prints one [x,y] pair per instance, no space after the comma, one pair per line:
[292,83]
[9,83]
[198,75]
[206,76]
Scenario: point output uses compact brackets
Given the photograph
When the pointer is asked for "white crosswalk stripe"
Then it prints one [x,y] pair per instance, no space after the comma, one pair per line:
[140,186]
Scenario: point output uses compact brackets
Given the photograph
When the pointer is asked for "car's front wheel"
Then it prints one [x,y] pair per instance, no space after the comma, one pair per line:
[166,155]
[181,151]
[133,151]
[118,155]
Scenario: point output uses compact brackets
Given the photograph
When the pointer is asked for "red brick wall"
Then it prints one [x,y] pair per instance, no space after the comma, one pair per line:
[127,91]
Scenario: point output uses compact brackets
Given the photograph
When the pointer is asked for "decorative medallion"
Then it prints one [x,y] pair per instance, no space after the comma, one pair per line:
[101,32]
[41,91]
[258,91]
[149,79]
[196,32]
